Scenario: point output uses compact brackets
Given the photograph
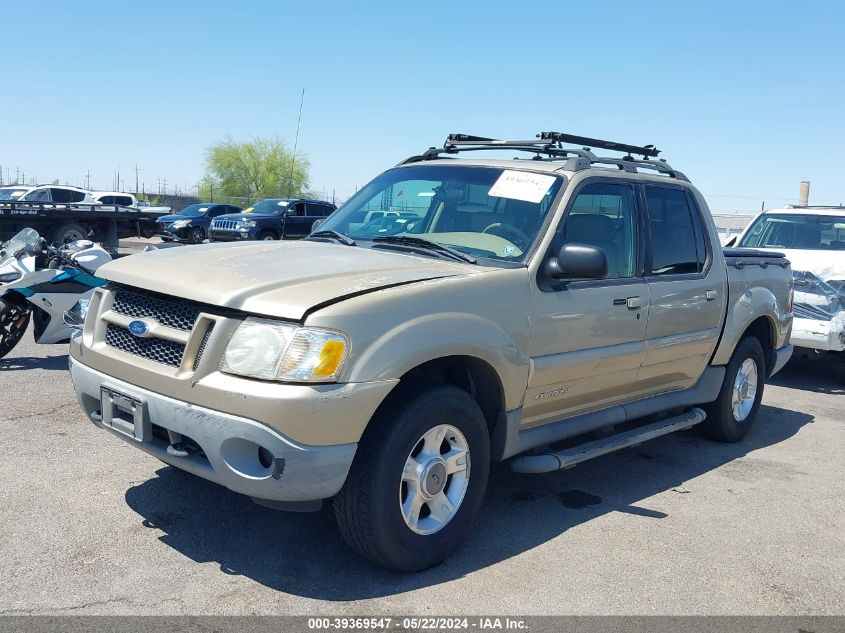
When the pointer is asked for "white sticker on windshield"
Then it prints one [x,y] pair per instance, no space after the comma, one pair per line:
[282,203]
[522,185]
[202,209]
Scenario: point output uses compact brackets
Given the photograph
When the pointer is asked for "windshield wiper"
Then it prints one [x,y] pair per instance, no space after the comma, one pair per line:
[337,236]
[420,242]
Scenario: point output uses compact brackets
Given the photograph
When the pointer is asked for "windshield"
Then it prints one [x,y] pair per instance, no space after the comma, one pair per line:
[788,230]
[270,206]
[10,193]
[195,210]
[482,211]
[27,238]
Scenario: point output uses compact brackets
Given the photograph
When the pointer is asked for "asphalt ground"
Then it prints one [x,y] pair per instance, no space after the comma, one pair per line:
[679,525]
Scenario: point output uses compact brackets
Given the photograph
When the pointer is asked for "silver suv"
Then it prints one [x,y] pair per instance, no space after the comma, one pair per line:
[452,313]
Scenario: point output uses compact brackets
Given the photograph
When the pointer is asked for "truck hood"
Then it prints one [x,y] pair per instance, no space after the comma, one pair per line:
[826,265]
[277,279]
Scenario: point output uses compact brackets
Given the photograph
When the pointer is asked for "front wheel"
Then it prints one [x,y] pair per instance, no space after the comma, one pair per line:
[196,235]
[13,322]
[732,414]
[418,479]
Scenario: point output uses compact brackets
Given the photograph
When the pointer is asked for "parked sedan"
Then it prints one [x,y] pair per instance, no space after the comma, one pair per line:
[271,219]
[191,224]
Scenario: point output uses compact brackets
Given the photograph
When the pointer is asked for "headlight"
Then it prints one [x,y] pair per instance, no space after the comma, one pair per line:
[246,224]
[271,350]
[180,224]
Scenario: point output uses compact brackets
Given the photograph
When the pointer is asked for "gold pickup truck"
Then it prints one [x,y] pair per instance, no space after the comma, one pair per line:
[455,311]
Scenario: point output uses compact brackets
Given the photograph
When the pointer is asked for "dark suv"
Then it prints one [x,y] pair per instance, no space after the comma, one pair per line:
[191,223]
[271,219]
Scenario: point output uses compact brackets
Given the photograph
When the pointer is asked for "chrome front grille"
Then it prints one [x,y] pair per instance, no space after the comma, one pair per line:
[175,314]
[154,349]
[224,225]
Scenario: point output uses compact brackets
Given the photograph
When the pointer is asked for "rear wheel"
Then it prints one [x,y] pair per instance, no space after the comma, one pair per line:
[65,233]
[418,480]
[732,414]
[13,323]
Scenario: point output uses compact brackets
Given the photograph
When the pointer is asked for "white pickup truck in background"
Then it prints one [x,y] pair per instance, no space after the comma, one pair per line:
[813,239]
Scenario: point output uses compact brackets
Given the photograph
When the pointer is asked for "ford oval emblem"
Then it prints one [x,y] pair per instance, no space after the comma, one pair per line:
[139,328]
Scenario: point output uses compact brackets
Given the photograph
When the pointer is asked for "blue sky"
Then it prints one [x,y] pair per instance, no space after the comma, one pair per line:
[747,98]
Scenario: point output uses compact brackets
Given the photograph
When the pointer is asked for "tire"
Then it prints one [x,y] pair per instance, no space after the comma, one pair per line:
[267,236]
[13,323]
[729,419]
[196,235]
[371,508]
[69,232]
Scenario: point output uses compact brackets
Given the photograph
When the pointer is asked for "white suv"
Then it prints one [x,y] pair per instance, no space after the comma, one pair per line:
[62,194]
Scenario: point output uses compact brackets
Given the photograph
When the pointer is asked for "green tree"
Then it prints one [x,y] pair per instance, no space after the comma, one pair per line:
[249,171]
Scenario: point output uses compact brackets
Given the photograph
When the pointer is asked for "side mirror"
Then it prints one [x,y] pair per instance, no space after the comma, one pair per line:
[578,261]
[316,224]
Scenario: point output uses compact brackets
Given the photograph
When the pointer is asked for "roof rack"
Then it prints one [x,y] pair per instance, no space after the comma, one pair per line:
[548,146]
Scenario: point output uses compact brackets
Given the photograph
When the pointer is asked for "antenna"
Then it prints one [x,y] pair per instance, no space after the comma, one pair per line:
[295,142]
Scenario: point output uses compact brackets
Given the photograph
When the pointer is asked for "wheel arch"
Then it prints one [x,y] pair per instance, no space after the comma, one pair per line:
[475,376]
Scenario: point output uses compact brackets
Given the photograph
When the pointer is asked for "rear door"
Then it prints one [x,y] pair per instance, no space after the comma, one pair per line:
[588,336]
[687,288]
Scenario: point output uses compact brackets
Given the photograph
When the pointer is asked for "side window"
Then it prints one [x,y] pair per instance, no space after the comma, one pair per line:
[107,200]
[216,210]
[677,238]
[299,209]
[39,195]
[605,215]
[327,210]
[61,195]
[124,201]
[75,196]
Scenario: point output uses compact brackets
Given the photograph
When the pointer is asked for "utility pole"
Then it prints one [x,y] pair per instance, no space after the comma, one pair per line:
[158,180]
[136,177]
[295,142]
[164,185]
[88,179]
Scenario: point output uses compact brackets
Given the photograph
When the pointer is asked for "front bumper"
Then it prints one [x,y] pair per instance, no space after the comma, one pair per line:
[173,234]
[219,235]
[817,334]
[285,471]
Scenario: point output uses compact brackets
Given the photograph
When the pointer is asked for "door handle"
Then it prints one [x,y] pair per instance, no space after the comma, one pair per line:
[711,294]
[634,303]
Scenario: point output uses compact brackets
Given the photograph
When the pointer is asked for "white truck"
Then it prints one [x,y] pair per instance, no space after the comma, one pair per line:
[813,239]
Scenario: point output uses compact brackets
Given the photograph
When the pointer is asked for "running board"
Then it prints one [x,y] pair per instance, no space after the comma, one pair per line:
[569,457]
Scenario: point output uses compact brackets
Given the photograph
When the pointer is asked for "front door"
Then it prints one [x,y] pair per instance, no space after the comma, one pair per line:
[588,336]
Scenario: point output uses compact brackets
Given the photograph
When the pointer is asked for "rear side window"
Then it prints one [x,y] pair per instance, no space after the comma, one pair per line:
[124,201]
[677,238]
[107,200]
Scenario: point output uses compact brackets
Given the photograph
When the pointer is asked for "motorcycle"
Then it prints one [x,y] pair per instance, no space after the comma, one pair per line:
[41,282]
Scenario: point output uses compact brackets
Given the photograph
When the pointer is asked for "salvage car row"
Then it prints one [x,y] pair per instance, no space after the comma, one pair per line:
[453,313]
